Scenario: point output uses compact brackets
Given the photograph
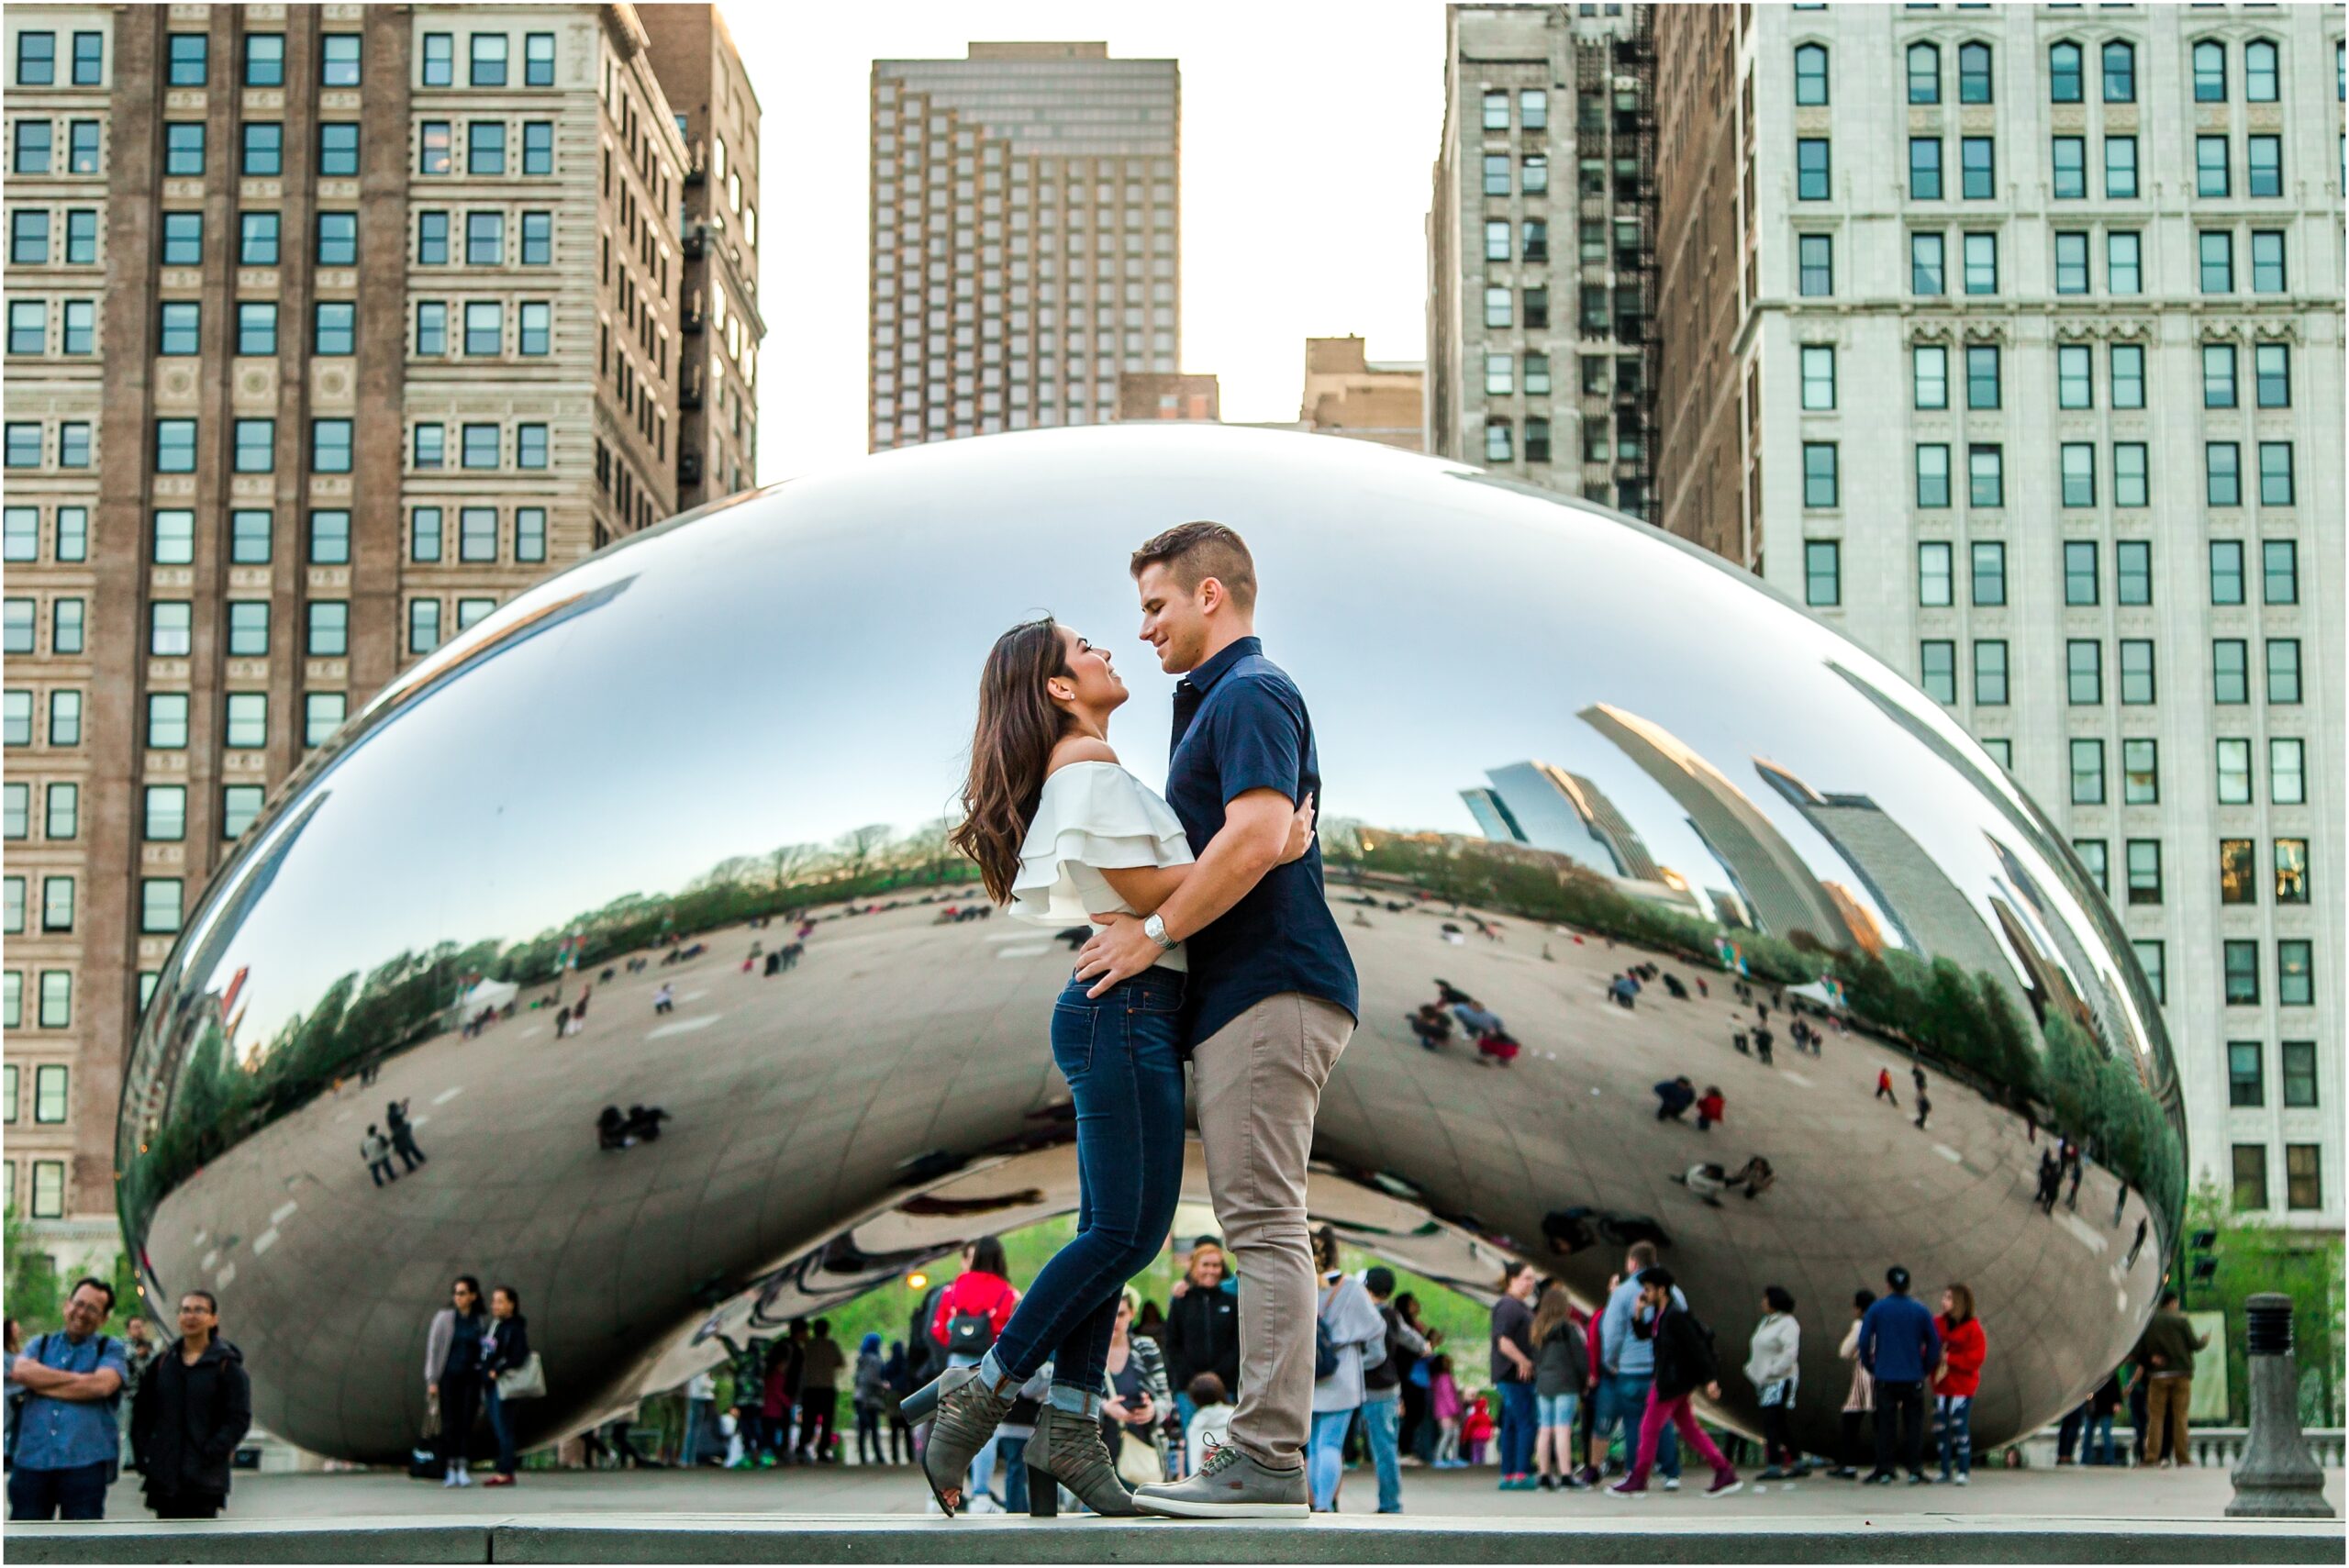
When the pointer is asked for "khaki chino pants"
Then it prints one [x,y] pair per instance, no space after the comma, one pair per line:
[1258,1082]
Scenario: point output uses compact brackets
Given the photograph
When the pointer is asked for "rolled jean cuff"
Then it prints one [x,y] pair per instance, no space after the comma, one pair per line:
[991,1371]
[1076,1400]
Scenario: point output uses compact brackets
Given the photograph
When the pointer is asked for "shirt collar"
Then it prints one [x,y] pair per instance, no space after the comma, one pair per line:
[1203,679]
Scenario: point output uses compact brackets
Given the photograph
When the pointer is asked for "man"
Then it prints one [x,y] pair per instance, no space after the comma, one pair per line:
[403,1133]
[1382,1388]
[819,1393]
[1673,1098]
[68,1446]
[138,1354]
[1899,1346]
[1273,993]
[1627,1360]
[1202,1325]
[1684,1364]
[193,1407]
[2167,1352]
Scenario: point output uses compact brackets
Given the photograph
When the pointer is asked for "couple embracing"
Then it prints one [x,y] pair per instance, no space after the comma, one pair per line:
[1215,941]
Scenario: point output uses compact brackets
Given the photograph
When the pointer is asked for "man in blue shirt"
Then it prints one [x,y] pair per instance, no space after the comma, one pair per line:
[68,1448]
[1273,995]
[1899,1346]
[1627,1365]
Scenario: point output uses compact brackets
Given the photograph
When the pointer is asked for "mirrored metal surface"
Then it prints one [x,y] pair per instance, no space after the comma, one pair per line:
[1565,754]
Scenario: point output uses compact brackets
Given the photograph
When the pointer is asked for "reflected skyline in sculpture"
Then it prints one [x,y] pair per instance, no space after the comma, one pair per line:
[740,732]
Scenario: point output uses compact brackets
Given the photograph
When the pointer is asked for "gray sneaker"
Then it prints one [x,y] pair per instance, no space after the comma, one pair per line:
[1229,1485]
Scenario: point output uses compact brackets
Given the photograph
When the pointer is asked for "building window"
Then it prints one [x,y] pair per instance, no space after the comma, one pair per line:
[49,1189]
[2240,963]
[36,60]
[249,537]
[423,625]
[1981,263]
[2235,772]
[1990,674]
[334,332]
[256,327]
[1932,475]
[2129,486]
[1498,236]
[431,329]
[1810,168]
[2071,263]
[2222,473]
[2250,1176]
[530,445]
[2229,671]
[264,60]
[2246,1074]
[538,238]
[1810,74]
[1934,587]
[424,534]
[537,158]
[1937,669]
[2071,167]
[1929,376]
[2274,474]
[322,715]
[537,65]
[264,150]
[2210,166]
[164,818]
[160,901]
[1977,168]
[2091,852]
[2279,561]
[248,724]
[1499,444]
[1818,377]
[1500,374]
[27,325]
[247,628]
[2123,271]
[486,147]
[331,446]
[2263,167]
[477,534]
[2140,773]
[2120,167]
[486,67]
[2218,375]
[1926,275]
[1817,252]
[484,239]
[2210,71]
[433,143]
[2303,1176]
[337,150]
[1499,306]
[2272,374]
[2217,251]
[1818,476]
[2120,74]
[330,538]
[182,237]
[484,327]
[1924,168]
[167,720]
[337,240]
[535,328]
[1973,79]
[480,446]
[2266,261]
[2136,672]
[1985,476]
[174,537]
[2284,670]
[1822,572]
[440,61]
[2132,572]
[257,238]
[1924,74]
[2075,376]
[2084,671]
[2077,460]
[2295,978]
[1989,563]
[1496,109]
[1982,377]
[2292,868]
[2299,1073]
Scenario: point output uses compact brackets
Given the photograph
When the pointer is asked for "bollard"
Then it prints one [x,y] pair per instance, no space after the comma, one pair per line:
[2278,1478]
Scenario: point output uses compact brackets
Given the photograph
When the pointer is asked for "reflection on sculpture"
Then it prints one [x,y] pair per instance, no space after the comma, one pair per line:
[636,899]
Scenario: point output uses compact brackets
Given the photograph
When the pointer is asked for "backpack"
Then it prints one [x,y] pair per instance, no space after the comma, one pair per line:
[1325,1351]
[971,1333]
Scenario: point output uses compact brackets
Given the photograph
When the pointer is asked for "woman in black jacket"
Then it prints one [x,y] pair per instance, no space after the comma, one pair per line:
[1202,1326]
[193,1407]
[505,1346]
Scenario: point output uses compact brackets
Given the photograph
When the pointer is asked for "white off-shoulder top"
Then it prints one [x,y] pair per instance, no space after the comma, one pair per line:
[1093,815]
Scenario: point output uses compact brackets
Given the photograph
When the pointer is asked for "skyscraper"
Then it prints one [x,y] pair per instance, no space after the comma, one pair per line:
[1552,809]
[2011,342]
[1541,248]
[1025,207]
[329,328]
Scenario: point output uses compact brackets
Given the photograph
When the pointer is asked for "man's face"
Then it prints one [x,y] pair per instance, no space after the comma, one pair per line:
[85,1311]
[137,1330]
[1174,621]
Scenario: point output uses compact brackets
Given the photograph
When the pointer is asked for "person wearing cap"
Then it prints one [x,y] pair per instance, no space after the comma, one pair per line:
[1900,1347]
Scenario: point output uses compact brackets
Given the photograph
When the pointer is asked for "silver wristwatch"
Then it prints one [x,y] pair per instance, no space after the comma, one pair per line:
[1155,929]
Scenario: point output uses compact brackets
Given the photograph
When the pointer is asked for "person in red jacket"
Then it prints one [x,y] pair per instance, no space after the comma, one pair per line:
[1963,1348]
[980,1290]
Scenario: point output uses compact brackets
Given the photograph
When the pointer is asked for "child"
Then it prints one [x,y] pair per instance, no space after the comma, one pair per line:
[1211,1416]
[1443,1406]
[1711,1108]
[1476,1428]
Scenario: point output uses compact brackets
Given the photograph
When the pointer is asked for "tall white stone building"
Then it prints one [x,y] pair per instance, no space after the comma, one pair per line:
[2010,340]
[1541,249]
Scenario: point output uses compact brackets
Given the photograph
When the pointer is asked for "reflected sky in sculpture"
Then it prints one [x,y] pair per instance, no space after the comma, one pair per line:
[708,716]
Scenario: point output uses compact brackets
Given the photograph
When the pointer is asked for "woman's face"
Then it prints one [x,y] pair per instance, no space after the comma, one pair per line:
[1089,682]
[1125,1315]
[500,1303]
[462,1295]
[1949,1303]
[1207,1268]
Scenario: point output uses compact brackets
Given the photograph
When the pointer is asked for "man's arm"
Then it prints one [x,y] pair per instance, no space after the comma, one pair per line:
[1250,843]
[77,1387]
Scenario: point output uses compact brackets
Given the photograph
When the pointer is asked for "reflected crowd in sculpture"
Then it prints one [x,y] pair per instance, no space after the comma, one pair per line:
[666,835]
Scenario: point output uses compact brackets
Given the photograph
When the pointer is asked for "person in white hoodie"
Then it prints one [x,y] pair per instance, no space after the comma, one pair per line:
[1773,1365]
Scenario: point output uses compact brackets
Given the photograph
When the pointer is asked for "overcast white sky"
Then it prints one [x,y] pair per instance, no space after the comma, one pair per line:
[1308,132]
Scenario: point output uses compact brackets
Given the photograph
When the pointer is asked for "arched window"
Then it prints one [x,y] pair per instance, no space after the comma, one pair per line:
[2259,71]
[1974,73]
[2063,73]
[1924,74]
[1811,73]
[2210,71]
[2120,73]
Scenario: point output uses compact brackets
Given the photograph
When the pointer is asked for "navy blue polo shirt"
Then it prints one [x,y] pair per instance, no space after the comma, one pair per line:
[1241,723]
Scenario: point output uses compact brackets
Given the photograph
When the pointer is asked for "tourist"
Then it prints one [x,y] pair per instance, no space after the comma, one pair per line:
[1476,1428]
[1959,1375]
[2102,1406]
[193,1407]
[820,1366]
[1561,1373]
[376,1149]
[897,1382]
[1711,1109]
[867,1395]
[505,1349]
[403,1132]
[701,1400]
[1417,1434]
[1626,1353]
[1382,1388]
[1899,1346]
[68,1445]
[1673,1098]
[1683,1363]
[1884,1086]
[2167,1352]
[1859,1402]
[1351,1324]
[1772,1364]
[452,1377]
[1512,1370]
[1133,1420]
[1210,1418]
[664,1000]
[138,1354]
[1445,1410]
[1203,1324]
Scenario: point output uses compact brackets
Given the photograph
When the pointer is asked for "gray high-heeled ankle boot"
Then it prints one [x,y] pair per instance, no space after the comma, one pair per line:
[969,1411]
[1070,1447]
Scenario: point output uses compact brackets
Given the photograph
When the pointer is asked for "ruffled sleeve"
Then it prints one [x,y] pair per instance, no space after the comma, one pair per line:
[1092,814]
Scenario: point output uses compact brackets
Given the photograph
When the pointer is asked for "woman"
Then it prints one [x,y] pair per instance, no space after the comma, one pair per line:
[865,1395]
[453,1373]
[1859,1403]
[1957,1380]
[505,1346]
[971,1312]
[1772,1366]
[1351,1323]
[1512,1370]
[1414,1434]
[1061,833]
[897,1382]
[193,1407]
[1561,1372]
[1135,1395]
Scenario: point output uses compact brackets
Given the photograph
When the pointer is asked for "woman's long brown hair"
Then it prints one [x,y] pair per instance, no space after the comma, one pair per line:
[1010,750]
[1555,1309]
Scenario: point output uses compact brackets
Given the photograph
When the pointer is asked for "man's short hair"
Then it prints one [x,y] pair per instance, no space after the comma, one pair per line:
[211,1302]
[1194,552]
[94,1283]
[1207,1389]
[1641,1255]
[1658,1278]
[1898,1278]
[1379,1279]
[2168,1297]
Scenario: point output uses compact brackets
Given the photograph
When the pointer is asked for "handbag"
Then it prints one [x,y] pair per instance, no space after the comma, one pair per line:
[433,1417]
[528,1381]
[1138,1461]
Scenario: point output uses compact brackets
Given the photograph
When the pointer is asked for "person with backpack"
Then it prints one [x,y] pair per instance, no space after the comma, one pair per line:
[972,1310]
[1383,1384]
[1685,1362]
[193,1407]
[1347,1332]
[68,1447]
